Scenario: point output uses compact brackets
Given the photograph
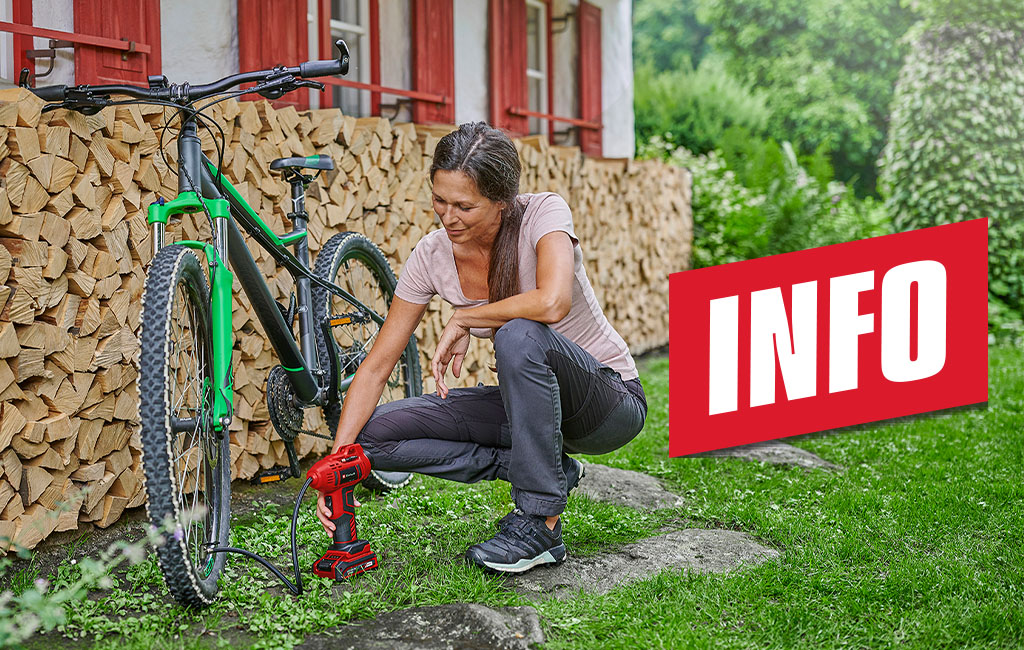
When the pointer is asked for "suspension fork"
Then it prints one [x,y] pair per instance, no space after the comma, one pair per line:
[221,278]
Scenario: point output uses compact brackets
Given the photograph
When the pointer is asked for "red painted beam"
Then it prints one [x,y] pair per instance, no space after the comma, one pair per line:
[84,39]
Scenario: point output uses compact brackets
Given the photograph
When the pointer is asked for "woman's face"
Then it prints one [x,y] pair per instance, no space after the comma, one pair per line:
[466,215]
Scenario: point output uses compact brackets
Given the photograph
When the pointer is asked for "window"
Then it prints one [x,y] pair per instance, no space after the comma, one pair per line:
[536,63]
[350,20]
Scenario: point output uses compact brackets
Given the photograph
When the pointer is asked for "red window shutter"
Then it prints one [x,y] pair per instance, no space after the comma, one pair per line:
[130,20]
[508,87]
[433,58]
[22,15]
[274,32]
[590,76]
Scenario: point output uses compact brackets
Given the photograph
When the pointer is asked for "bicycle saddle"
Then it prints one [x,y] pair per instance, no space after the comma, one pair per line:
[298,162]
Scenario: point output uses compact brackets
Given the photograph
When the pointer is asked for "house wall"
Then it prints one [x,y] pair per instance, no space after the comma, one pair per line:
[198,39]
[54,14]
[471,80]
[395,54]
[565,50]
[199,43]
[617,77]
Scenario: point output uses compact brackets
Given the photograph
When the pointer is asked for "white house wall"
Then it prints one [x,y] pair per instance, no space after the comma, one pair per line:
[471,77]
[54,14]
[395,52]
[617,78]
[565,46]
[198,39]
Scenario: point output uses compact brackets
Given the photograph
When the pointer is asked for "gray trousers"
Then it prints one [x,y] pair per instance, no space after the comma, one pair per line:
[552,397]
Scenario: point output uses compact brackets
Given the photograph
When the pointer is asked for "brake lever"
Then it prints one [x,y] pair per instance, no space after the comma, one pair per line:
[90,107]
[277,88]
[309,83]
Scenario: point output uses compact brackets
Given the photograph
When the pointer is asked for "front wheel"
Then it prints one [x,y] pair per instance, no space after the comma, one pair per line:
[355,264]
[186,462]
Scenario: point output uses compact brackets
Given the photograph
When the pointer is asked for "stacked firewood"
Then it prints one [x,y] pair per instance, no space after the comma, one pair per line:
[74,248]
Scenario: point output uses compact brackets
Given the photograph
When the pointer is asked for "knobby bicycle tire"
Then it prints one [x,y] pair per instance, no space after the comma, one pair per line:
[341,252]
[176,287]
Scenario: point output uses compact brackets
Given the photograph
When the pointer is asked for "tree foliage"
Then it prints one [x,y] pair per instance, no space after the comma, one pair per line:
[827,67]
[956,142]
[667,35]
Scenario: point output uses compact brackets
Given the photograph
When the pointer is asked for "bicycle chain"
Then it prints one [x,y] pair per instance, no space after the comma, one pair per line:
[285,414]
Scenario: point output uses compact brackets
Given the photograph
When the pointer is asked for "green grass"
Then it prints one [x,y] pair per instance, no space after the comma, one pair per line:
[918,543]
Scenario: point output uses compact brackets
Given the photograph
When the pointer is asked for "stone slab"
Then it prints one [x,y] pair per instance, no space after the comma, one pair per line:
[457,626]
[704,551]
[775,452]
[626,488]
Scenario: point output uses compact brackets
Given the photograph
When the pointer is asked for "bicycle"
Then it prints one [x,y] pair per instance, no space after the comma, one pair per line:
[185,381]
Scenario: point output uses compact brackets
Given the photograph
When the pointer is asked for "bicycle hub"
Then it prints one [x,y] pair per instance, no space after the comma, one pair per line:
[336,476]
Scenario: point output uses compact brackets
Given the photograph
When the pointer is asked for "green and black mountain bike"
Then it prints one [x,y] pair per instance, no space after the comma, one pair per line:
[186,377]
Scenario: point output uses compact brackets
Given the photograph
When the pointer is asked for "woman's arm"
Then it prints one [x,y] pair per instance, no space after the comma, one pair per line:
[367,386]
[548,303]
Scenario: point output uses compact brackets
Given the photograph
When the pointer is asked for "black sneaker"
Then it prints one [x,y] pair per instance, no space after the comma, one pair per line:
[574,475]
[523,542]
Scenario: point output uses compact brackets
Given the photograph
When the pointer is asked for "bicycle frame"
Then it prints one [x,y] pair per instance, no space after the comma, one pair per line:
[226,207]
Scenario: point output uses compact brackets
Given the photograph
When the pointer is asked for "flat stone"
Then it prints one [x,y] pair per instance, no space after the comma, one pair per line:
[775,452]
[700,550]
[625,488]
[457,626]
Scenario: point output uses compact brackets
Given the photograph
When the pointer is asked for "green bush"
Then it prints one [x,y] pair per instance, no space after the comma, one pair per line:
[956,140]
[694,108]
[728,218]
[758,199]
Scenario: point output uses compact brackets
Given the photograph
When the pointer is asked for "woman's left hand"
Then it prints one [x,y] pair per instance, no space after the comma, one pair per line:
[451,347]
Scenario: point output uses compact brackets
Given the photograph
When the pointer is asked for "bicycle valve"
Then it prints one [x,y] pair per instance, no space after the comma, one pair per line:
[336,476]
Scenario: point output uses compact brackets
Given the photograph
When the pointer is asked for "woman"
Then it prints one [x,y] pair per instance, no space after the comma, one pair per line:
[511,266]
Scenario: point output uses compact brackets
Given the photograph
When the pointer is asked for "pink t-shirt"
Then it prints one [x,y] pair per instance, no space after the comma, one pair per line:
[431,270]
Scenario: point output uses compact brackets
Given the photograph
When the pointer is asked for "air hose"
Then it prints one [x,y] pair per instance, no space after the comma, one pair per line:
[296,587]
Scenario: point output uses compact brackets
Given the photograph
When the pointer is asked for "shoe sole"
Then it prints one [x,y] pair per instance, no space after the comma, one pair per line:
[553,556]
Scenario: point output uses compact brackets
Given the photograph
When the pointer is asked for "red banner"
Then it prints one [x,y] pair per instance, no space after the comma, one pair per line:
[828,337]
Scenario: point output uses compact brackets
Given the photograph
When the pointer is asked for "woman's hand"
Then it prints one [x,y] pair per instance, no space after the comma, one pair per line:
[451,347]
[323,513]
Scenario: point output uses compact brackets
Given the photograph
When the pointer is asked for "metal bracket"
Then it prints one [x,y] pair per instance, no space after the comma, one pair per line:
[564,136]
[562,21]
[396,107]
[130,50]
[49,53]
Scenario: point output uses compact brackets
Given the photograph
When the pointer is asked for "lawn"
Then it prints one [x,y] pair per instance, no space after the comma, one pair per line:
[919,542]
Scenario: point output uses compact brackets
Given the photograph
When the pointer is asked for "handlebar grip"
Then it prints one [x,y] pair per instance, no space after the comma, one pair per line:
[324,68]
[51,93]
[328,67]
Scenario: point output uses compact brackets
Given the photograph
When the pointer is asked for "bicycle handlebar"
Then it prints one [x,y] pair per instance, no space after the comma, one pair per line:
[185,93]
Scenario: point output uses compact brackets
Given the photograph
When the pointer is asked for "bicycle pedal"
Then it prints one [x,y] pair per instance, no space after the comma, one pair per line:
[271,475]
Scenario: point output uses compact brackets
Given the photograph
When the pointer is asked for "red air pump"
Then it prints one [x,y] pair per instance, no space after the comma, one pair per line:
[336,476]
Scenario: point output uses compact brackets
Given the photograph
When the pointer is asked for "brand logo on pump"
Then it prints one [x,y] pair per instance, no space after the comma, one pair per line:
[828,337]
